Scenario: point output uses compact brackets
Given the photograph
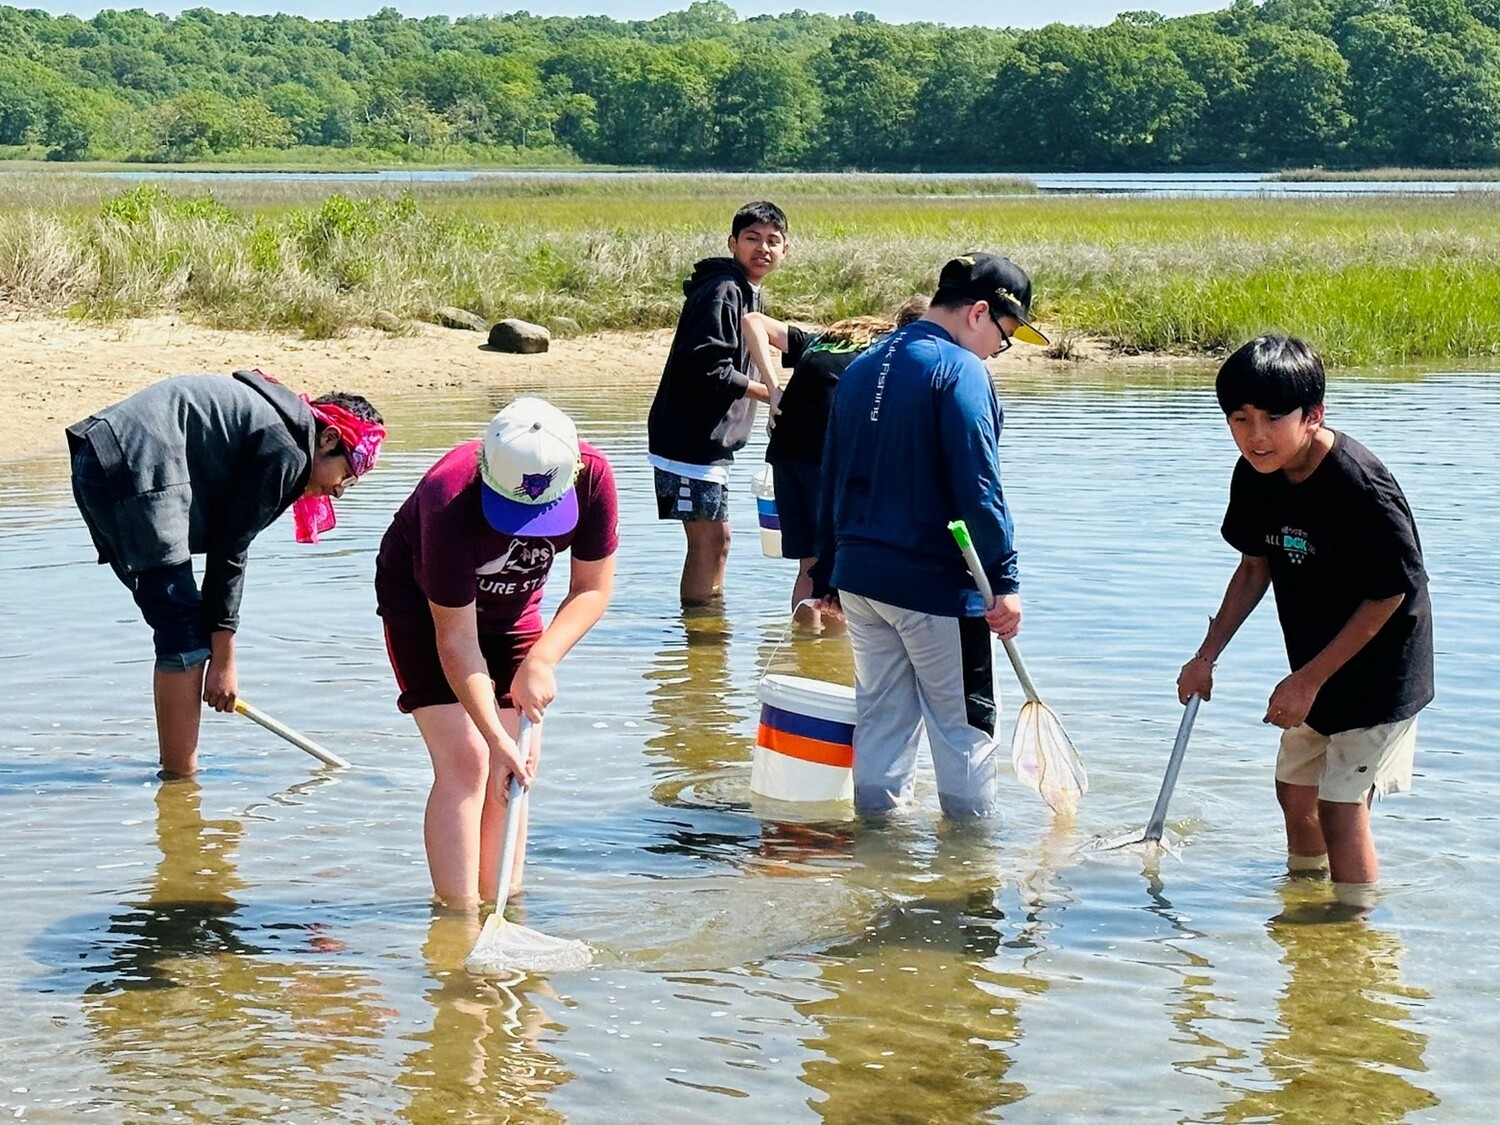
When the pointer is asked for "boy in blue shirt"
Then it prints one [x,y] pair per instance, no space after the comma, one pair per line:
[705,403]
[913,443]
[1318,519]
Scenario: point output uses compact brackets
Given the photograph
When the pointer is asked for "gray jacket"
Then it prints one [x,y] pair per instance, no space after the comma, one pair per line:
[199,464]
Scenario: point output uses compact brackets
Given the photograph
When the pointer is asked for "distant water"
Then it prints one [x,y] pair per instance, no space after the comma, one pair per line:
[1111,183]
[257,944]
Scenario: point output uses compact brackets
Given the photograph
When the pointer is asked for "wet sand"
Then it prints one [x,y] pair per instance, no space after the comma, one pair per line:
[57,371]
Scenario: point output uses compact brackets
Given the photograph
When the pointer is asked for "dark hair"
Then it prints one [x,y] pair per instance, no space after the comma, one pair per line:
[1275,373]
[951,299]
[357,405]
[760,211]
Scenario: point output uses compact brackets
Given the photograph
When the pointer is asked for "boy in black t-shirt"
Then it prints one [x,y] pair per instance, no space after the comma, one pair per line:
[1319,519]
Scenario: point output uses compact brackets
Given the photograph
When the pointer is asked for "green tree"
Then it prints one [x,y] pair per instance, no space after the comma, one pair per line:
[947,128]
[1112,97]
[1423,98]
[767,111]
[869,76]
[1295,108]
[1220,134]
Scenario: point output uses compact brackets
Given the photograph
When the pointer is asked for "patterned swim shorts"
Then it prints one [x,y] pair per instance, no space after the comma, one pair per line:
[683,498]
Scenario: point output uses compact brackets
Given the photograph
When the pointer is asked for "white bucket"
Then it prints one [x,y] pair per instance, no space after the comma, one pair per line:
[804,749]
[764,488]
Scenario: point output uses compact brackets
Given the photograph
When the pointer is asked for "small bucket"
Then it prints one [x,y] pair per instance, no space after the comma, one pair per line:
[804,750]
[764,488]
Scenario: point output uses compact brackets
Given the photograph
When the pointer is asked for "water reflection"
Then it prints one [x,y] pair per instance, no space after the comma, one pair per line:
[482,1057]
[700,715]
[201,1007]
[1196,999]
[924,1008]
[190,907]
[1173,1004]
[787,653]
[1344,1049]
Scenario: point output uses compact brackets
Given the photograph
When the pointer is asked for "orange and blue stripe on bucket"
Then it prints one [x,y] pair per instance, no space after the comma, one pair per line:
[823,742]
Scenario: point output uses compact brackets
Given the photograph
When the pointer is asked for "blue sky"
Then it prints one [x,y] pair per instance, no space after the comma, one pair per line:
[956,12]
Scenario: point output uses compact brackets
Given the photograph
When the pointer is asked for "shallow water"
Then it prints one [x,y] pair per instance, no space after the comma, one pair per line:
[258,942]
[1172,184]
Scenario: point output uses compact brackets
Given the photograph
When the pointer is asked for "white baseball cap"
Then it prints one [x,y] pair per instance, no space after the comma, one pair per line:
[528,463]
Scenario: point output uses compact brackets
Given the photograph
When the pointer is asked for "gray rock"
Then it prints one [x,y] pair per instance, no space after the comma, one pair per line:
[450,317]
[519,337]
[564,326]
[386,322]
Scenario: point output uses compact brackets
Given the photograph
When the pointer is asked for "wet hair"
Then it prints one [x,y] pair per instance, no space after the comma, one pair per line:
[857,330]
[760,211]
[913,308]
[1275,373]
[357,405]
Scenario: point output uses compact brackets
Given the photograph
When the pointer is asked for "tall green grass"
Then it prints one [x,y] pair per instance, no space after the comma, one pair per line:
[1390,175]
[1368,280]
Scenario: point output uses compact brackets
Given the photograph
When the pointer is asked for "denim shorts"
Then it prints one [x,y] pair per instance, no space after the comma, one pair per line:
[169,600]
[167,596]
[689,500]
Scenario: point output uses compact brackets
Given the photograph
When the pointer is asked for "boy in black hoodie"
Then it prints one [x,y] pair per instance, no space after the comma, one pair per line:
[705,404]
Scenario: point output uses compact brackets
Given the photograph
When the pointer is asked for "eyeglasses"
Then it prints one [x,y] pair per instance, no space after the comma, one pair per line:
[1004,335]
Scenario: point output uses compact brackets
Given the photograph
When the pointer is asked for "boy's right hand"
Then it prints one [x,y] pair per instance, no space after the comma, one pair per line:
[1004,616]
[1196,678]
[221,680]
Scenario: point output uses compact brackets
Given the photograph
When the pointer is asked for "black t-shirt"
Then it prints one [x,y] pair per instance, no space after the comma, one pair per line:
[1342,536]
[808,396]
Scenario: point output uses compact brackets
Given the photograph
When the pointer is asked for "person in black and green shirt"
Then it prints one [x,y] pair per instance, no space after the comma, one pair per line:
[799,417]
[1321,522]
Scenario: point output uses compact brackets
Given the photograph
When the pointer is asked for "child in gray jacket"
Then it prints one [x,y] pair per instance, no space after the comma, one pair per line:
[200,464]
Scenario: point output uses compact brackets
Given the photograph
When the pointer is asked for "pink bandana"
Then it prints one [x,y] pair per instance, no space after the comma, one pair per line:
[313,515]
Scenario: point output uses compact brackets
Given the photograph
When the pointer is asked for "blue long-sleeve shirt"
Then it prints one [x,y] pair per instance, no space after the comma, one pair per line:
[912,443]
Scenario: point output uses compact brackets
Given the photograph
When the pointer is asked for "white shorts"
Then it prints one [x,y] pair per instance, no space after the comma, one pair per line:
[1345,766]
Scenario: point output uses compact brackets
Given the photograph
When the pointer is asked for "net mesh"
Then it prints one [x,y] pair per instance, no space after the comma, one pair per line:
[505,947]
[1045,759]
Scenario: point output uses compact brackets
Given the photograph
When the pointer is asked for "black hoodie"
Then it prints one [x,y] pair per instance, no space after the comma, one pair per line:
[700,414]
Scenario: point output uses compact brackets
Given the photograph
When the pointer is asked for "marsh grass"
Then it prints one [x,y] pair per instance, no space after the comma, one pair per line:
[1368,280]
[1390,175]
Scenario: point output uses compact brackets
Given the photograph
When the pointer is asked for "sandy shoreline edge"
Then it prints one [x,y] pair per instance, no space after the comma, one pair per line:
[56,371]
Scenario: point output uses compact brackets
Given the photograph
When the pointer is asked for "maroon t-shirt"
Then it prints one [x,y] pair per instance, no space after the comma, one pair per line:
[441,549]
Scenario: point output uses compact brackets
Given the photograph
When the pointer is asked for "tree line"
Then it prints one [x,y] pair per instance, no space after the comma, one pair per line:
[1285,83]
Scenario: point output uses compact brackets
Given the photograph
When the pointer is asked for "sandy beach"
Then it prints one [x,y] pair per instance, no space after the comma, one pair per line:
[56,371]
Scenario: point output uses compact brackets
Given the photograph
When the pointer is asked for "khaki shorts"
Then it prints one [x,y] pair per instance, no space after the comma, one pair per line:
[1346,765]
